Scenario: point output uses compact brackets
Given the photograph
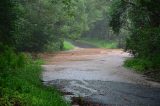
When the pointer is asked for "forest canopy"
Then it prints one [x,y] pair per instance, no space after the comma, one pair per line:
[39,25]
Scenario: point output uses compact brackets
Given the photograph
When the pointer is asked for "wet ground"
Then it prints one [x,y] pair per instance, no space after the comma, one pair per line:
[96,76]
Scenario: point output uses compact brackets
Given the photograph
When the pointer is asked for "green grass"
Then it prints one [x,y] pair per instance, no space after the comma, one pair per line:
[68,46]
[139,65]
[143,66]
[20,85]
[100,43]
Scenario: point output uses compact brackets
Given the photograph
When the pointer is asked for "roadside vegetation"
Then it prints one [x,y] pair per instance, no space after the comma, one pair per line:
[140,19]
[100,43]
[143,66]
[23,33]
[67,45]
[138,64]
[20,83]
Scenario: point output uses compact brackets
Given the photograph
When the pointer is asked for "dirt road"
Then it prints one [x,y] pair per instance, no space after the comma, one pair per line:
[97,76]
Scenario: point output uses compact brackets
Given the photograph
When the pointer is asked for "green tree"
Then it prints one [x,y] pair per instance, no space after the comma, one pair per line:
[142,21]
[36,25]
[7,21]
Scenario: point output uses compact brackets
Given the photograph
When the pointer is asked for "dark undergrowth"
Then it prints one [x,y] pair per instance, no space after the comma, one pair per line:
[20,83]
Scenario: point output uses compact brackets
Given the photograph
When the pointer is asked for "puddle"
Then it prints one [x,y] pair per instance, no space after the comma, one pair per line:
[106,93]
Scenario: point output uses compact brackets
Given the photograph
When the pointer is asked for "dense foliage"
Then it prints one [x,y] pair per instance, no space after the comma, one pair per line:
[7,19]
[42,25]
[39,25]
[19,74]
[20,84]
[141,18]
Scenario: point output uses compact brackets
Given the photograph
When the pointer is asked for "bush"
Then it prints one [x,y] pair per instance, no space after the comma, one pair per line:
[9,97]
[54,46]
[24,88]
[144,42]
[20,84]
[10,61]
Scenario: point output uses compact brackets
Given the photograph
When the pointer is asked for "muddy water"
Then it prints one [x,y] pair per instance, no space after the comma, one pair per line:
[97,76]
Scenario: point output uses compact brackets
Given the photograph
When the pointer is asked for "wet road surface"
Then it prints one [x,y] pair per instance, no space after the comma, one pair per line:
[97,76]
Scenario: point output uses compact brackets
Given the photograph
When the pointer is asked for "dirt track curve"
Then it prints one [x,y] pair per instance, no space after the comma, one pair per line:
[97,76]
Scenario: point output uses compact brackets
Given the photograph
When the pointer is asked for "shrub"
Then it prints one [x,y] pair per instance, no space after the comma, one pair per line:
[20,84]
[9,97]
[10,61]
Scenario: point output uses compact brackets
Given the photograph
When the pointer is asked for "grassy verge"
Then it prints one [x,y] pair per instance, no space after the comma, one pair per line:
[143,66]
[100,43]
[68,46]
[21,86]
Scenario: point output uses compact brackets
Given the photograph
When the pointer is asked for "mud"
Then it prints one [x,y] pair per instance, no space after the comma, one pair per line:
[97,76]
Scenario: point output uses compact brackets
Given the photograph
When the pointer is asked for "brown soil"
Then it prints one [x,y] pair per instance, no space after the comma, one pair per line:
[75,55]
